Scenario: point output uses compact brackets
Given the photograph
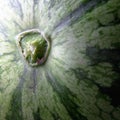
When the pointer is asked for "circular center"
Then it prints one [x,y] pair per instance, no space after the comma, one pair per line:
[34,46]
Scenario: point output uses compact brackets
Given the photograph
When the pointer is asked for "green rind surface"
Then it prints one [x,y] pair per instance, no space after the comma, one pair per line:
[83,62]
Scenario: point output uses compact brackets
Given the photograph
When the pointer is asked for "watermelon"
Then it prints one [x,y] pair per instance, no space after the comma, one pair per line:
[59,59]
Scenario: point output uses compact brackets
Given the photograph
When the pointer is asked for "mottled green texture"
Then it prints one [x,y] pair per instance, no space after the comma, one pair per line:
[80,79]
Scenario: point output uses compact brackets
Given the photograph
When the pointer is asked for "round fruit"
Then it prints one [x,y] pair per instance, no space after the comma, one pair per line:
[59,59]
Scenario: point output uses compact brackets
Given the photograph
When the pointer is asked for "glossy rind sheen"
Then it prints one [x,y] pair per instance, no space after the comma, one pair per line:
[80,79]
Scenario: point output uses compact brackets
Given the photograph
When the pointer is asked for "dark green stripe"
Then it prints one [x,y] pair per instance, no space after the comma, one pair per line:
[79,73]
[34,79]
[97,55]
[64,95]
[36,114]
[113,92]
[111,56]
[15,111]
[79,12]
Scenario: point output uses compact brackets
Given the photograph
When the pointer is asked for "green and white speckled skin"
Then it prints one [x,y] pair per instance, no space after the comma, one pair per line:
[81,77]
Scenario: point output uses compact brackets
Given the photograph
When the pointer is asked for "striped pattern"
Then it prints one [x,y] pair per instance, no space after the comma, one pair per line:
[80,79]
